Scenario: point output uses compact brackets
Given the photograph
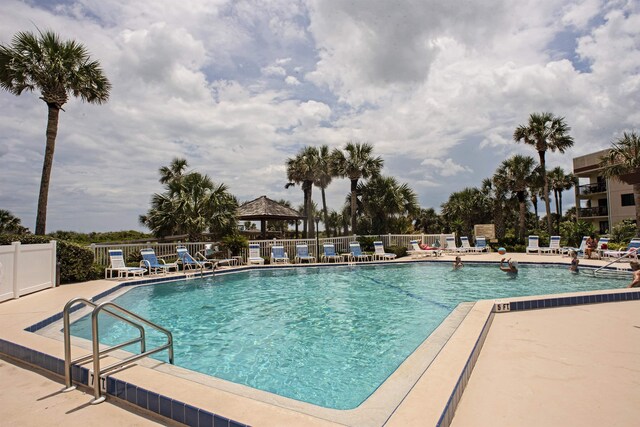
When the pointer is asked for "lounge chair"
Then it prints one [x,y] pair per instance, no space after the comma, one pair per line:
[450,246]
[467,246]
[302,254]
[416,251]
[214,252]
[356,252]
[553,248]
[481,244]
[565,251]
[254,254]
[630,252]
[278,255]
[604,241]
[117,264]
[329,253]
[153,264]
[534,245]
[189,262]
[380,253]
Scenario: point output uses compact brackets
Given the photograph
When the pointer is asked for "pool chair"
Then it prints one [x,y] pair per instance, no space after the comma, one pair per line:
[566,250]
[302,254]
[189,263]
[481,244]
[356,252]
[117,265]
[380,253]
[415,251]
[214,254]
[153,264]
[278,255]
[329,253]
[630,253]
[553,248]
[603,245]
[254,254]
[450,246]
[467,246]
[534,245]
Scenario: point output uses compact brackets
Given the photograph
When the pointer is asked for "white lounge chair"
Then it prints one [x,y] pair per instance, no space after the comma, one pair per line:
[533,245]
[356,252]
[450,246]
[554,246]
[278,255]
[416,251]
[467,246]
[118,265]
[329,253]
[481,244]
[302,254]
[630,252]
[189,262]
[153,264]
[254,254]
[566,250]
[380,253]
[604,241]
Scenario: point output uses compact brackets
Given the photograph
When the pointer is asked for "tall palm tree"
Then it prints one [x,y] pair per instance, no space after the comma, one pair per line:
[624,158]
[465,208]
[354,163]
[536,189]
[10,224]
[57,69]
[559,182]
[385,202]
[545,131]
[514,174]
[495,193]
[303,169]
[324,177]
[173,172]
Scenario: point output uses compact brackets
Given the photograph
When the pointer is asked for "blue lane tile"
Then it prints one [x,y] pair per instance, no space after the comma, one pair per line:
[111,386]
[219,421]
[153,402]
[120,390]
[205,418]
[191,415]
[177,411]
[165,406]
[141,397]
[131,393]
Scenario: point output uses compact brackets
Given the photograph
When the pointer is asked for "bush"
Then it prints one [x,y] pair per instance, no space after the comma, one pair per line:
[623,231]
[400,251]
[366,243]
[76,262]
[235,243]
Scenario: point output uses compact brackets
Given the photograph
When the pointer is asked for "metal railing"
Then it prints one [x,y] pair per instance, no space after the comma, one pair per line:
[600,187]
[112,310]
[595,211]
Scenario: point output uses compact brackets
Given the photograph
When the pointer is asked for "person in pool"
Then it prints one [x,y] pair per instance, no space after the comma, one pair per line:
[635,267]
[457,263]
[574,262]
[511,267]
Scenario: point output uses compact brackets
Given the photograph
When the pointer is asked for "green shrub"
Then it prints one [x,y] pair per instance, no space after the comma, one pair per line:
[623,231]
[366,243]
[400,251]
[76,262]
[235,243]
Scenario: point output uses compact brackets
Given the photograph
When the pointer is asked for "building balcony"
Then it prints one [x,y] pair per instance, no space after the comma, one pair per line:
[584,190]
[596,211]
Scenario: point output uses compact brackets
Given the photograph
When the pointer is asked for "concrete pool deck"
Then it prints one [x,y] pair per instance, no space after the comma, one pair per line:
[423,405]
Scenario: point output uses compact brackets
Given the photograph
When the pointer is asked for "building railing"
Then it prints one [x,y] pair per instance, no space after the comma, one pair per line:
[168,251]
[595,211]
[599,187]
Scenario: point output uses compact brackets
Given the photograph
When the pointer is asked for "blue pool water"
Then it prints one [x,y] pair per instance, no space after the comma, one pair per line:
[328,335]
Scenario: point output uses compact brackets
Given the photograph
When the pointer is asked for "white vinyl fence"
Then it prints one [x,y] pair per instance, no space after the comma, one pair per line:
[26,268]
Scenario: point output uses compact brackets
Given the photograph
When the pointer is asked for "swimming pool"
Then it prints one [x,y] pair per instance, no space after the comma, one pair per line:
[323,335]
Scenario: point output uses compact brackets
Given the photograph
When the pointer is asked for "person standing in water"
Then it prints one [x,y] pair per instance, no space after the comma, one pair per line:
[457,264]
[511,267]
[574,262]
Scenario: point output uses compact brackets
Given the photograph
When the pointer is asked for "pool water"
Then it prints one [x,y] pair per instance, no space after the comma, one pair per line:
[323,335]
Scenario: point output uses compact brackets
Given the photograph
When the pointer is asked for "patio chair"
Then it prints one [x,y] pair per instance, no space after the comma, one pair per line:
[534,245]
[302,254]
[153,264]
[467,246]
[481,244]
[329,253]
[603,245]
[566,250]
[213,253]
[189,263]
[380,253]
[630,252]
[553,248]
[356,252]
[416,251]
[254,254]
[450,246]
[117,264]
[278,255]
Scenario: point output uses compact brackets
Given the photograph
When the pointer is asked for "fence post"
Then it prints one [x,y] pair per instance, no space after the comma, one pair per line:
[55,265]
[16,270]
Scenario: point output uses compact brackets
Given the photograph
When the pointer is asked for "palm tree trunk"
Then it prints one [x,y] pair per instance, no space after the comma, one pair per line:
[547,203]
[560,209]
[523,215]
[305,223]
[52,132]
[354,186]
[310,218]
[636,198]
[555,194]
[325,211]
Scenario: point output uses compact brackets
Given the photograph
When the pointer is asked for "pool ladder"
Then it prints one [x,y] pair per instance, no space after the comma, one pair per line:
[96,378]
[618,273]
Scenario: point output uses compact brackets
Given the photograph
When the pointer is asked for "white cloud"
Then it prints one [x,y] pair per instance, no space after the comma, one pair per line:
[292,81]
[444,167]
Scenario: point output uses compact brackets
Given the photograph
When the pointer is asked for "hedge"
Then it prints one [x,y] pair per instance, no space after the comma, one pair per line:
[76,262]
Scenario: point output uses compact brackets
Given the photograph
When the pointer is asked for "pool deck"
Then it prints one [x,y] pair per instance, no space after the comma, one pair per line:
[572,365]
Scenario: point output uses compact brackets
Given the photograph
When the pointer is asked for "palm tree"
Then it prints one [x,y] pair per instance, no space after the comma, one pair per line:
[495,193]
[514,174]
[357,163]
[545,132]
[559,182]
[173,172]
[624,158]
[324,177]
[466,208]
[386,202]
[536,189]
[57,69]
[428,221]
[10,224]
[303,169]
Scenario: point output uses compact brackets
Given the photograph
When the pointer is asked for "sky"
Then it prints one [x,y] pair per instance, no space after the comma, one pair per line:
[237,87]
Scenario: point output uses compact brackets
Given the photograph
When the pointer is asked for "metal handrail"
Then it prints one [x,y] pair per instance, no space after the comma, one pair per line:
[96,346]
[67,339]
[614,261]
[110,309]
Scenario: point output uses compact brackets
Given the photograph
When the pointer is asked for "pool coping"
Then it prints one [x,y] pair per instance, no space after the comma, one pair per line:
[186,412]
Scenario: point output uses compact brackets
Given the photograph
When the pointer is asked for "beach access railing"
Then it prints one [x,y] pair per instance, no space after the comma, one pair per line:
[168,251]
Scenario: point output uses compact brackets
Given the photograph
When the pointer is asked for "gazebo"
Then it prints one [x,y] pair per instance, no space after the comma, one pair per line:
[263,209]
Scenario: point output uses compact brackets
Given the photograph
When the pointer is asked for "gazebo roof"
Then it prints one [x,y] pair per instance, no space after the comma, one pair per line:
[265,208]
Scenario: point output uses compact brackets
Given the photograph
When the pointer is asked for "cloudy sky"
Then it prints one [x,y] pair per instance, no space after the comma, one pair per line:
[237,87]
